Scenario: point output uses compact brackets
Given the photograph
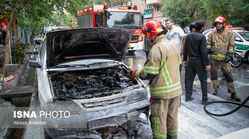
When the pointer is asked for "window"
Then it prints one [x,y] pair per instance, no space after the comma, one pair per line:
[124,19]
[237,38]
[158,8]
[245,35]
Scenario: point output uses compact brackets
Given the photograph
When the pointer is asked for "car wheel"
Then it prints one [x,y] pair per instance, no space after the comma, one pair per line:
[237,60]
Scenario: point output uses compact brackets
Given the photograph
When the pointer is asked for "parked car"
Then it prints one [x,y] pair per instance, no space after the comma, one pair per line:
[81,71]
[241,38]
[207,32]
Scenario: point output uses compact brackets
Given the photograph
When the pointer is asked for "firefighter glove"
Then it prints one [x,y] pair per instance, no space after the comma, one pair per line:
[228,57]
[210,51]
[133,73]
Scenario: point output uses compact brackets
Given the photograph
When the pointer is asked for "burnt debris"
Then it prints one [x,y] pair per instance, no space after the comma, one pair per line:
[90,83]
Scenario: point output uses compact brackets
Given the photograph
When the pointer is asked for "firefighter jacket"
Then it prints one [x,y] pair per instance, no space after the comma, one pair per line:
[163,62]
[221,43]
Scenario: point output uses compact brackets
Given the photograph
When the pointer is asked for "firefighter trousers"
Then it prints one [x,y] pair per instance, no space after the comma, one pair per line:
[164,118]
[226,68]
[195,66]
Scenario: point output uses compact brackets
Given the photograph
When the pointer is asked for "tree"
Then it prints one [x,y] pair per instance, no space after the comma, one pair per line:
[33,14]
[73,6]
[239,13]
[183,12]
[236,12]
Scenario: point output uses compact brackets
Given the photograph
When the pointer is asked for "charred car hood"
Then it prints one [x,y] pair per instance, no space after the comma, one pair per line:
[75,44]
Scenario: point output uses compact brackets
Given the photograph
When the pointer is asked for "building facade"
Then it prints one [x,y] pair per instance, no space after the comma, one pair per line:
[141,5]
[153,10]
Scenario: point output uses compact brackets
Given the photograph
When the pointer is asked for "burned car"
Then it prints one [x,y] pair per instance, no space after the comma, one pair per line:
[81,71]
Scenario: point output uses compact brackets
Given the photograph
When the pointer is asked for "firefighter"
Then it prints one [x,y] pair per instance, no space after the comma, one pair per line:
[162,69]
[222,45]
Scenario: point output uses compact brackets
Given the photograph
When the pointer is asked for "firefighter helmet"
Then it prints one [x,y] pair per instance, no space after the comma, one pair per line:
[151,28]
[221,20]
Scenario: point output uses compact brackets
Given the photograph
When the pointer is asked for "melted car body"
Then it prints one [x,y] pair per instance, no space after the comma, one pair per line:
[81,71]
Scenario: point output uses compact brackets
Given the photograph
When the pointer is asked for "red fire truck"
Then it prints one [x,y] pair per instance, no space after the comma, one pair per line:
[120,17]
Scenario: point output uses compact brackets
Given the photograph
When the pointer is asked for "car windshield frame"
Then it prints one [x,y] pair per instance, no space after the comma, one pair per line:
[121,19]
[244,35]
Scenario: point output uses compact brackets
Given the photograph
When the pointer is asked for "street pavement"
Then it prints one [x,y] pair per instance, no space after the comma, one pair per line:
[194,123]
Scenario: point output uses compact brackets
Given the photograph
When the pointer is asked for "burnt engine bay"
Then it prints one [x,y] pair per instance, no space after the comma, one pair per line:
[86,84]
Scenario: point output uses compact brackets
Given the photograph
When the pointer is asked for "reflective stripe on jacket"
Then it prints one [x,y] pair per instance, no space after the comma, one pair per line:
[163,61]
[217,57]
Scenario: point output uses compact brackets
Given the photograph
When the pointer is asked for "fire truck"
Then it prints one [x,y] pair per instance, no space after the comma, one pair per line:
[119,17]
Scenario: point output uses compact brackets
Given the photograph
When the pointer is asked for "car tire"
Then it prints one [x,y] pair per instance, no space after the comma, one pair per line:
[237,60]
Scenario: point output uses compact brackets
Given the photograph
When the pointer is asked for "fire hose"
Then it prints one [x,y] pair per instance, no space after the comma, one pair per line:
[240,105]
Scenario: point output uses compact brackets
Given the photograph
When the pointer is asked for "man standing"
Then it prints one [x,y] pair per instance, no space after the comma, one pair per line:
[175,34]
[162,70]
[191,29]
[195,56]
[222,44]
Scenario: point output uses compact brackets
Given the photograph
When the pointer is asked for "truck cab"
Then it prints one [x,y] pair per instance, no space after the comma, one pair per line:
[116,17]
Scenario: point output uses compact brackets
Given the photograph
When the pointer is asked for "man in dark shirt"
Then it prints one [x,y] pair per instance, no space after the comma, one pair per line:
[195,56]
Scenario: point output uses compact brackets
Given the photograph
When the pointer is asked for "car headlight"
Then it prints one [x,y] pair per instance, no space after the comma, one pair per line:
[136,95]
[70,106]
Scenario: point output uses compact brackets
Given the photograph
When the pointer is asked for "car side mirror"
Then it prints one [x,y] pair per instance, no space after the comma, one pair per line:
[238,39]
[35,64]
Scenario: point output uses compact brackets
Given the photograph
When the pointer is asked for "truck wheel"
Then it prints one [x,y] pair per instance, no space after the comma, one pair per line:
[237,60]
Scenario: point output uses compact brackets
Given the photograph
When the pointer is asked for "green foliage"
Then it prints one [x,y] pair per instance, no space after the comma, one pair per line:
[235,12]
[19,52]
[34,21]
[239,15]
[183,12]
[63,19]
[73,6]
[34,14]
